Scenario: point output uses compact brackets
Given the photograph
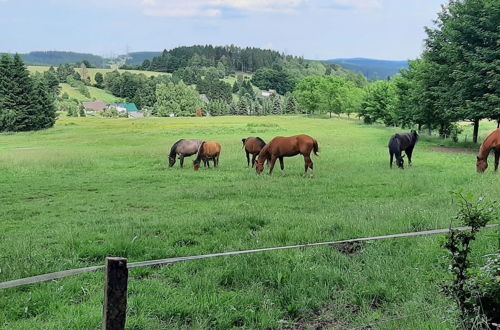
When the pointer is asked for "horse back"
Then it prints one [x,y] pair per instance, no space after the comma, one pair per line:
[211,148]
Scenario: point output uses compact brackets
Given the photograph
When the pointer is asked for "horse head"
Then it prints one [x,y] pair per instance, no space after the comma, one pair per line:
[171,161]
[259,166]
[401,162]
[481,165]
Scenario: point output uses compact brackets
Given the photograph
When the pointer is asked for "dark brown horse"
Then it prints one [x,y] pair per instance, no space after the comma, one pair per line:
[492,142]
[208,151]
[252,145]
[280,147]
[399,143]
[183,148]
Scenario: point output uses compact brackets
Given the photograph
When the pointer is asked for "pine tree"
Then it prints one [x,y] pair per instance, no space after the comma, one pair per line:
[43,105]
[22,96]
[277,106]
[290,104]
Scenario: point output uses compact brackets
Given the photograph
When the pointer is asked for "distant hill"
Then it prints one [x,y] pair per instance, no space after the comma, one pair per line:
[371,69]
[56,58]
[138,57]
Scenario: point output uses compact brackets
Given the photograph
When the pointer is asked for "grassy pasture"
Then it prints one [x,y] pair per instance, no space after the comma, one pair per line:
[91,188]
[93,71]
[95,94]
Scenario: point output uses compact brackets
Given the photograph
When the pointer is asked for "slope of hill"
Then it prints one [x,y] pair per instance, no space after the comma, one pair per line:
[370,68]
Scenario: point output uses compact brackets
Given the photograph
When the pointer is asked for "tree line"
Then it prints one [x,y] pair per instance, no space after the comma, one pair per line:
[457,78]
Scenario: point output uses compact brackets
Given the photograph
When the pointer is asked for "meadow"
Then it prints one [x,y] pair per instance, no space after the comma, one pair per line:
[92,71]
[92,187]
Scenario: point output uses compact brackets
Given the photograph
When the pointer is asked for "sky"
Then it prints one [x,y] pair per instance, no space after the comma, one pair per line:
[315,29]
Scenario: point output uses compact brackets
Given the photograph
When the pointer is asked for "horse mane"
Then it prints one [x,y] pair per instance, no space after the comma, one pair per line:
[173,150]
[200,153]
[415,135]
[262,143]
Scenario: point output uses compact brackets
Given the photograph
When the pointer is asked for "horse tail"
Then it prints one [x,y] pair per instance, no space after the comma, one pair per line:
[200,153]
[173,150]
[315,147]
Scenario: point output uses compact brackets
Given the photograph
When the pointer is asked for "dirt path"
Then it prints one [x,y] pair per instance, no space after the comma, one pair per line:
[453,150]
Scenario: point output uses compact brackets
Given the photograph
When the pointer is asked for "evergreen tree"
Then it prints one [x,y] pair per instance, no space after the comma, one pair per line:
[291,105]
[52,81]
[44,109]
[277,105]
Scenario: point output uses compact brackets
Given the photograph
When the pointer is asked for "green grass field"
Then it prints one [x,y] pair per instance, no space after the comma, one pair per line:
[93,71]
[95,94]
[91,188]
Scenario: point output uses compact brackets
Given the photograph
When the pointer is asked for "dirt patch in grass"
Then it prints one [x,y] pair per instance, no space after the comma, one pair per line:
[349,249]
[453,150]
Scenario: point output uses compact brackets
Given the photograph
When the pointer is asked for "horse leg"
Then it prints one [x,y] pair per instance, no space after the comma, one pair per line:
[271,164]
[253,159]
[497,158]
[392,155]
[307,163]
[181,159]
[409,153]
[216,160]
[282,164]
[248,159]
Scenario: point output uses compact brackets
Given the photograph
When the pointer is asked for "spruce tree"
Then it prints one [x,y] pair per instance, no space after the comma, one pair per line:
[43,105]
[277,106]
[22,96]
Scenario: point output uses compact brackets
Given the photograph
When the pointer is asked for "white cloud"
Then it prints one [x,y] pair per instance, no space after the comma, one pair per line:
[211,8]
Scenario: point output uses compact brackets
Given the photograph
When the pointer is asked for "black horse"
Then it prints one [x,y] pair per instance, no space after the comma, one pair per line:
[402,142]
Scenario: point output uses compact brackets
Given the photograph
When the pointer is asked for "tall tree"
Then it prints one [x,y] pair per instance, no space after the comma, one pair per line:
[464,53]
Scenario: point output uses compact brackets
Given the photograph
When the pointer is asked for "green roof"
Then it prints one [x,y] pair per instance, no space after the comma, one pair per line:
[131,107]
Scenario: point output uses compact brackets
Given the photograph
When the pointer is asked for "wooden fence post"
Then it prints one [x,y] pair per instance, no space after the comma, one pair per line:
[115,294]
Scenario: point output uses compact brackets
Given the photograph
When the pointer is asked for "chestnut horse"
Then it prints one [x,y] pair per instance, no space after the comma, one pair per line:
[492,142]
[280,147]
[252,145]
[208,151]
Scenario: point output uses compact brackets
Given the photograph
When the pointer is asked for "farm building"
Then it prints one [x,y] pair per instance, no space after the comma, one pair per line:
[96,106]
[129,108]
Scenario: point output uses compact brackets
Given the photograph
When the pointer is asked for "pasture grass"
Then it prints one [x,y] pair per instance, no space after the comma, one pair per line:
[92,187]
[96,94]
[92,71]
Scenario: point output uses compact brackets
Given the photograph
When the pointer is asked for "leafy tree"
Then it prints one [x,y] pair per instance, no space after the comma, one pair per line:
[215,89]
[266,78]
[178,99]
[463,53]
[99,80]
[308,94]
[379,103]
[217,108]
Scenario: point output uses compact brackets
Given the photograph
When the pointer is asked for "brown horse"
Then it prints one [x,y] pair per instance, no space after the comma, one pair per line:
[208,151]
[280,147]
[252,145]
[492,142]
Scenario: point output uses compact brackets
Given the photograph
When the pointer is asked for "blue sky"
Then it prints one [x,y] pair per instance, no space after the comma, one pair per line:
[315,29]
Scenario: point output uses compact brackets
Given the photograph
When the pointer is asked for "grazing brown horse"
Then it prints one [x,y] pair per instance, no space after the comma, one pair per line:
[252,145]
[183,148]
[280,147]
[492,142]
[208,151]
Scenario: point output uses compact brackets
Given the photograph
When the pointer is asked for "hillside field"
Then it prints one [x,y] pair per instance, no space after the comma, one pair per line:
[93,71]
[92,187]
